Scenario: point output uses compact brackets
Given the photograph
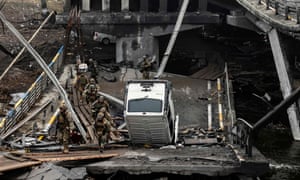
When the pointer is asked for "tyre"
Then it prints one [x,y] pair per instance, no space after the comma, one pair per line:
[106,41]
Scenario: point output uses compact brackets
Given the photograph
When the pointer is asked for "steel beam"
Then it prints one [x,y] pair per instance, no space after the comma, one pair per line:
[173,38]
[48,71]
[281,64]
[23,49]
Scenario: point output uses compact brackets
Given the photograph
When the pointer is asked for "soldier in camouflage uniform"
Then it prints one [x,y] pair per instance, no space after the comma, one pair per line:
[103,128]
[90,91]
[114,134]
[81,82]
[98,104]
[92,68]
[146,66]
[63,127]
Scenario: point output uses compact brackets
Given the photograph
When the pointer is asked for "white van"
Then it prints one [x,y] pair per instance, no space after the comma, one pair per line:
[149,112]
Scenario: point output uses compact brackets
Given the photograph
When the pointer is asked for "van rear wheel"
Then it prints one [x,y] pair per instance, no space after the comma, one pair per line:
[106,41]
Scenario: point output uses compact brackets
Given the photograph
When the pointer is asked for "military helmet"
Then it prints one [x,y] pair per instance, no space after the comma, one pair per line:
[92,80]
[63,106]
[100,115]
[103,109]
[101,98]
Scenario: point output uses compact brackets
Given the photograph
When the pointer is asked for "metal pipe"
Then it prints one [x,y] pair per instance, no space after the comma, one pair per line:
[48,71]
[228,95]
[23,49]
[209,106]
[116,100]
[49,124]
[172,39]
[220,105]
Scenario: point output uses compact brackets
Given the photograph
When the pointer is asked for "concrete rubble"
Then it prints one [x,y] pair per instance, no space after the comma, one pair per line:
[49,171]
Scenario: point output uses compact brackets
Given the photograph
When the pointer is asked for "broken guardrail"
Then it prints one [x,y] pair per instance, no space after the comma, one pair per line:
[243,131]
[288,9]
[32,94]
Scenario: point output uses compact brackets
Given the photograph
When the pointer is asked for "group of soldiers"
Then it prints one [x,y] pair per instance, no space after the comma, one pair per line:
[104,124]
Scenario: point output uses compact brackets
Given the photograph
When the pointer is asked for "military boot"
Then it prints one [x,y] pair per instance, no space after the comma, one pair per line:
[66,149]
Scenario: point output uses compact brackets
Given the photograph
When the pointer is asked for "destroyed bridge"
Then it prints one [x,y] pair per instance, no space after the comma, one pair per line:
[210,141]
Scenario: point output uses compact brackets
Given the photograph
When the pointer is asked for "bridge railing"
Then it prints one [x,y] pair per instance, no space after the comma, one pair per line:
[287,8]
[243,132]
[31,96]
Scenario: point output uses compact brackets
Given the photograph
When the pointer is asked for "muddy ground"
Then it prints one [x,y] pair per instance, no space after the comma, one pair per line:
[26,17]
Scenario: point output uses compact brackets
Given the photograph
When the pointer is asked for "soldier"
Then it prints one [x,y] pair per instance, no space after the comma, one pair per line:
[146,66]
[92,68]
[90,91]
[80,84]
[98,104]
[63,127]
[114,134]
[102,127]
[78,62]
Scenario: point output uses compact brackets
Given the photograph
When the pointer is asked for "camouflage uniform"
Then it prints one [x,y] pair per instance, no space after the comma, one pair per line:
[97,105]
[81,82]
[146,67]
[103,128]
[63,127]
[90,91]
[114,134]
[92,68]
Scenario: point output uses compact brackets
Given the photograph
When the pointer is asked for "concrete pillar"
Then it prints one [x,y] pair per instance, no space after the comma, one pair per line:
[67,5]
[125,5]
[281,64]
[106,5]
[144,6]
[86,5]
[132,49]
[163,5]
[202,5]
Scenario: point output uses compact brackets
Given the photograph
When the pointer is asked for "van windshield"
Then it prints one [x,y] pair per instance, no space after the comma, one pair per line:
[145,105]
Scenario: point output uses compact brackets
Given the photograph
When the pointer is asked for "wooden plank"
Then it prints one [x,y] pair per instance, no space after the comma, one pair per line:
[83,115]
[8,164]
[72,157]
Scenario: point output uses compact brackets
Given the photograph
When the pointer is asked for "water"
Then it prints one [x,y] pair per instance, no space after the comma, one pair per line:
[276,143]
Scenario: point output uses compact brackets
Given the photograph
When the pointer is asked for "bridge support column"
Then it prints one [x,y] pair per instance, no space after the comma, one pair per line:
[125,5]
[281,64]
[67,5]
[86,5]
[134,48]
[105,5]
[144,6]
[163,5]
[202,5]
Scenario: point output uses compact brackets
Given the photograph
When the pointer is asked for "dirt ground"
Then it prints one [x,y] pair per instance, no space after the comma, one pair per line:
[26,17]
